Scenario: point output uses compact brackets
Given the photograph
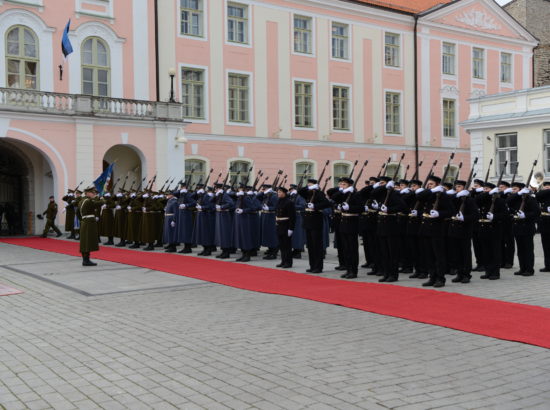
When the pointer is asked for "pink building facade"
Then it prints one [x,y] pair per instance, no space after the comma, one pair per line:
[269,85]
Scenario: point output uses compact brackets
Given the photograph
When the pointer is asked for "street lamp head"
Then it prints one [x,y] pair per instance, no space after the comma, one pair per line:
[172,72]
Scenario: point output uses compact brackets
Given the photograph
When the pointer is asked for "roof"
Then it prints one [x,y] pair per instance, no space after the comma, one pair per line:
[408,6]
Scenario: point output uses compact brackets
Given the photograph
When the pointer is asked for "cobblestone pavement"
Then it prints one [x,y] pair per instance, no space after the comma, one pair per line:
[118,336]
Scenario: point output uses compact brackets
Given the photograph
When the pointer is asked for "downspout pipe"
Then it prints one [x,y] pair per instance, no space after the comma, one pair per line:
[416,147]
[157,59]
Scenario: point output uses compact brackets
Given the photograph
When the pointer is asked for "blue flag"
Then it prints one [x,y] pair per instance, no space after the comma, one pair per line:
[104,179]
[66,46]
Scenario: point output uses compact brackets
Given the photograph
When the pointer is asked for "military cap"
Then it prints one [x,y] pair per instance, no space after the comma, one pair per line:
[293,186]
[403,182]
[90,189]
[199,186]
[479,181]
[346,180]
[374,179]
[51,197]
[448,185]
[416,182]
[519,185]
[282,189]
[70,190]
[489,185]
[505,183]
[78,191]
[385,178]
[218,185]
[546,183]
[435,179]
[266,186]
[460,182]
[311,181]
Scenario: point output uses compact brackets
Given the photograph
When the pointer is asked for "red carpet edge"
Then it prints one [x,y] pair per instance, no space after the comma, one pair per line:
[502,320]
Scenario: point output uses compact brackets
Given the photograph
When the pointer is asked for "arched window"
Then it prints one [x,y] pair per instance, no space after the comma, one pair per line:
[391,168]
[198,166]
[238,172]
[304,171]
[22,58]
[96,70]
[340,170]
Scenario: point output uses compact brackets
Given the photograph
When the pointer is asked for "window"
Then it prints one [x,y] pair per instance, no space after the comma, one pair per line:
[237,23]
[448,59]
[449,118]
[303,36]
[22,58]
[393,113]
[505,68]
[303,100]
[478,63]
[198,168]
[340,108]
[452,174]
[95,67]
[192,92]
[238,172]
[304,171]
[546,151]
[192,14]
[238,98]
[391,49]
[391,169]
[340,40]
[507,150]
[341,170]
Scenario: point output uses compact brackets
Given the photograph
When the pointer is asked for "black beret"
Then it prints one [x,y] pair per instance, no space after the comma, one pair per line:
[416,182]
[489,185]
[519,185]
[346,180]
[435,179]
[479,181]
[505,183]
[460,182]
[311,181]
[385,178]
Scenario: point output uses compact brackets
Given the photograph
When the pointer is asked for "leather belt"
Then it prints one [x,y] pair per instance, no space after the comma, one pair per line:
[337,211]
[268,212]
[282,218]
[169,214]
[88,216]
[222,210]
[343,214]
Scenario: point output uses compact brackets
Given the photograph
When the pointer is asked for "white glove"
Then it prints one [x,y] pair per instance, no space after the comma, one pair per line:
[103,206]
[479,189]
[339,207]
[376,185]
[508,190]
[312,187]
[405,191]
[129,208]
[414,212]
[145,195]
[311,205]
[490,216]
[240,193]
[384,208]
[438,188]
[434,214]
[200,191]
[96,219]
[238,211]
[348,189]
[525,191]
[451,192]
[183,191]
[366,208]
[548,209]
[419,190]
[199,207]
[144,209]
[374,205]
[119,195]
[265,207]
[118,207]
[290,233]
[182,206]
[460,217]
[493,191]
[390,184]
[345,206]
[218,207]
[521,215]
[173,224]
[462,193]
[340,189]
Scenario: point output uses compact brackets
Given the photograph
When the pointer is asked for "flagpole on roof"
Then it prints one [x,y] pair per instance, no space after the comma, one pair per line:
[66,48]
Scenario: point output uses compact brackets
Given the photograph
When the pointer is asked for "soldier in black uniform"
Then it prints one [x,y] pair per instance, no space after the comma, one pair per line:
[543,197]
[460,232]
[406,259]
[313,223]
[508,245]
[438,207]
[526,212]
[417,243]
[367,224]
[476,190]
[285,220]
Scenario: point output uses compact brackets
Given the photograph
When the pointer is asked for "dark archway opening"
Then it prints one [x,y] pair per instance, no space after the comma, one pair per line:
[13,175]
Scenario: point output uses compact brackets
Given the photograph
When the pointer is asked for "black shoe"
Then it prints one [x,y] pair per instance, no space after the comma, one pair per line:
[316,271]
[121,244]
[429,283]
[510,266]
[297,255]
[88,262]
[171,249]
[224,255]
[478,268]
[43,236]
[135,246]
[344,275]
[109,242]
[458,279]
[422,275]
[206,253]
[253,253]
[383,279]
[527,273]
[406,270]
[158,244]
[414,275]
[286,266]
[465,279]
[439,284]
[340,268]
[494,277]
[245,258]
[392,279]
[279,265]
[309,270]
[372,273]
[365,265]
[351,276]
[58,235]
[186,250]
[544,270]
[486,276]
[270,257]
[149,247]
[518,273]
[71,236]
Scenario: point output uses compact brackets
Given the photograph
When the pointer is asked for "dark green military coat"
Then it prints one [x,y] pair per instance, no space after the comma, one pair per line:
[121,217]
[89,237]
[106,217]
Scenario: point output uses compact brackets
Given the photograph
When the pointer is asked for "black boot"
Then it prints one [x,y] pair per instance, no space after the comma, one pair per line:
[149,247]
[171,249]
[121,243]
[224,255]
[245,257]
[158,244]
[136,245]
[110,241]
[186,249]
[87,262]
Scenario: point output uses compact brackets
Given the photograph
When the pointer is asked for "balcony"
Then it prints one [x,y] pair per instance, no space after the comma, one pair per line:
[78,105]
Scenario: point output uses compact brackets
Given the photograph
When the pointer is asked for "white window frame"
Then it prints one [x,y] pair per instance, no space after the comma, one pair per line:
[204,37]
[206,118]
[511,82]
[400,54]
[313,170]
[248,6]
[313,99]
[349,42]
[239,159]
[347,163]
[546,147]
[455,55]
[197,158]
[455,125]
[250,75]
[350,110]
[509,168]
[313,35]
[401,119]
[484,66]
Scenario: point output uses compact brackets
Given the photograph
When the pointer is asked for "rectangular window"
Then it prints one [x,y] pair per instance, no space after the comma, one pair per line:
[391,49]
[448,58]
[505,68]
[237,23]
[546,151]
[192,15]
[507,150]
[449,118]
[192,92]
[340,108]
[304,171]
[478,63]
[393,113]
[303,101]
[340,171]
[238,99]
[303,35]
[340,40]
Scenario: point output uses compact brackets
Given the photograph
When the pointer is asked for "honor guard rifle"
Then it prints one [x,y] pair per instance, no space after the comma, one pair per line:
[324,170]
[141,183]
[494,197]
[301,181]
[515,172]
[208,177]
[524,196]
[445,174]
[326,182]
[471,176]
[488,171]
[395,174]
[114,185]
[360,173]
[384,165]
[125,180]
[430,173]
[457,172]
[78,186]
[276,180]
[415,175]
[189,178]
[353,169]
[234,180]
[406,172]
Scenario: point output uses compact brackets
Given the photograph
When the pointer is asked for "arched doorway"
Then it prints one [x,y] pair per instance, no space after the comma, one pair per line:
[26,182]
[130,163]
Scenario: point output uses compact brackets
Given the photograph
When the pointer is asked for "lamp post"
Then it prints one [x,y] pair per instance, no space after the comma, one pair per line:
[172,74]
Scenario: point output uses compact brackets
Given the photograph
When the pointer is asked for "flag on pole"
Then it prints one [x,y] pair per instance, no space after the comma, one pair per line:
[66,46]
[103,180]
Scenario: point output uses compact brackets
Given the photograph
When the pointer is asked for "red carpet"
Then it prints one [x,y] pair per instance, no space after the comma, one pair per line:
[502,320]
[6,290]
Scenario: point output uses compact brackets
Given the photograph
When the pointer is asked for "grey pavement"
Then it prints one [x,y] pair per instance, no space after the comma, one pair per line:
[117,336]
